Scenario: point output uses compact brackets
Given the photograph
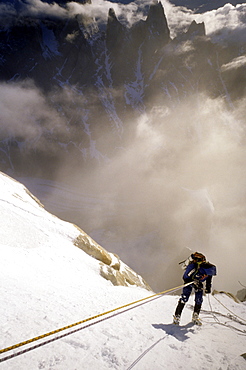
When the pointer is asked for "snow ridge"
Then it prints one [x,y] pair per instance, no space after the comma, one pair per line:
[47,283]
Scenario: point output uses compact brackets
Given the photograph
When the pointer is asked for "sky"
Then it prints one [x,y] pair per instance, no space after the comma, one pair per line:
[47,284]
[178,185]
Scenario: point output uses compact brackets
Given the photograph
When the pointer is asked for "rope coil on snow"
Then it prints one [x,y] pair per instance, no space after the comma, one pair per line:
[231,318]
[228,309]
[150,298]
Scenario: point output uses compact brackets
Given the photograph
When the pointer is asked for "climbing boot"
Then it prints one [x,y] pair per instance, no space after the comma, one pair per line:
[195,319]
[176,319]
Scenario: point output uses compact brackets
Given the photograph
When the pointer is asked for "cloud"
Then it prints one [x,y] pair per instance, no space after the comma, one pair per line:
[178,18]
[234,64]
[98,9]
[25,115]
[225,25]
[95,10]
[223,19]
[179,181]
[182,48]
[42,9]
[228,17]
[35,8]
[72,36]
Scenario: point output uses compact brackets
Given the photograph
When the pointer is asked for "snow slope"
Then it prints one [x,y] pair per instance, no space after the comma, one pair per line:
[48,283]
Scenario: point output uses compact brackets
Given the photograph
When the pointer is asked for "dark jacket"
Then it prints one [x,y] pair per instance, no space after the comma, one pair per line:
[201,272]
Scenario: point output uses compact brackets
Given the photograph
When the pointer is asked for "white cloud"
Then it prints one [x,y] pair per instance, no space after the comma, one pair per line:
[39,8]
[234,64]
[25,113]
[228,17]
[179,18]
[98,9]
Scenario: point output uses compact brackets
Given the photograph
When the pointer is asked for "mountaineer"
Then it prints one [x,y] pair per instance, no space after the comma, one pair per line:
[197,271]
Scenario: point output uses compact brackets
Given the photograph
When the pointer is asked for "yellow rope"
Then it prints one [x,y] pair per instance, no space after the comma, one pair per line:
[85,320]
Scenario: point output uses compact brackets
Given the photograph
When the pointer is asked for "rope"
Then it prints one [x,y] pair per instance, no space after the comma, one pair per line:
[145,352]
[225,324]
[69,333]
[228,316]
[150,298]
[228,309]
[212,312]
[242,284]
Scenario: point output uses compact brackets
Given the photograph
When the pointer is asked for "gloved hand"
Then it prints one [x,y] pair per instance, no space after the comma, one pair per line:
[196,282]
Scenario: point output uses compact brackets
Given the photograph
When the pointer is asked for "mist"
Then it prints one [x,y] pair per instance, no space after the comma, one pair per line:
[173,183]
[26,113]
[177,185]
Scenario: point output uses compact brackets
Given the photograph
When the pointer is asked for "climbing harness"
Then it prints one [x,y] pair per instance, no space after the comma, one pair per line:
[136,303]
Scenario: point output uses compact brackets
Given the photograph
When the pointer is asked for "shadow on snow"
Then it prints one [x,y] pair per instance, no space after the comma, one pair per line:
[179,332]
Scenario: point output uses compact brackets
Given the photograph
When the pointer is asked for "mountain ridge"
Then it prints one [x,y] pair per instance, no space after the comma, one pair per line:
[111,267]
[54,298]
[81,58]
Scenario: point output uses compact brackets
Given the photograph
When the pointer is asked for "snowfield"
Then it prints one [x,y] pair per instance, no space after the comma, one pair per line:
[48,283]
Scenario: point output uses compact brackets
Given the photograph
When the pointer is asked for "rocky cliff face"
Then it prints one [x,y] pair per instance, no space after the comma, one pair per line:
[98,77]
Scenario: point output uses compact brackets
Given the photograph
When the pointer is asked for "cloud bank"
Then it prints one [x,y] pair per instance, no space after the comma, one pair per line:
[178,184]
[223,20]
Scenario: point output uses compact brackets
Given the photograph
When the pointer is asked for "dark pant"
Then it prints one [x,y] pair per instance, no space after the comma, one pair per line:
[187,292]
[186,295]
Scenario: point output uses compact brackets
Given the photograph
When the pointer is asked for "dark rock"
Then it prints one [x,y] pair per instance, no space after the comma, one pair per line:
[241,295]
[156,23]
[196,29]
[115,32]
